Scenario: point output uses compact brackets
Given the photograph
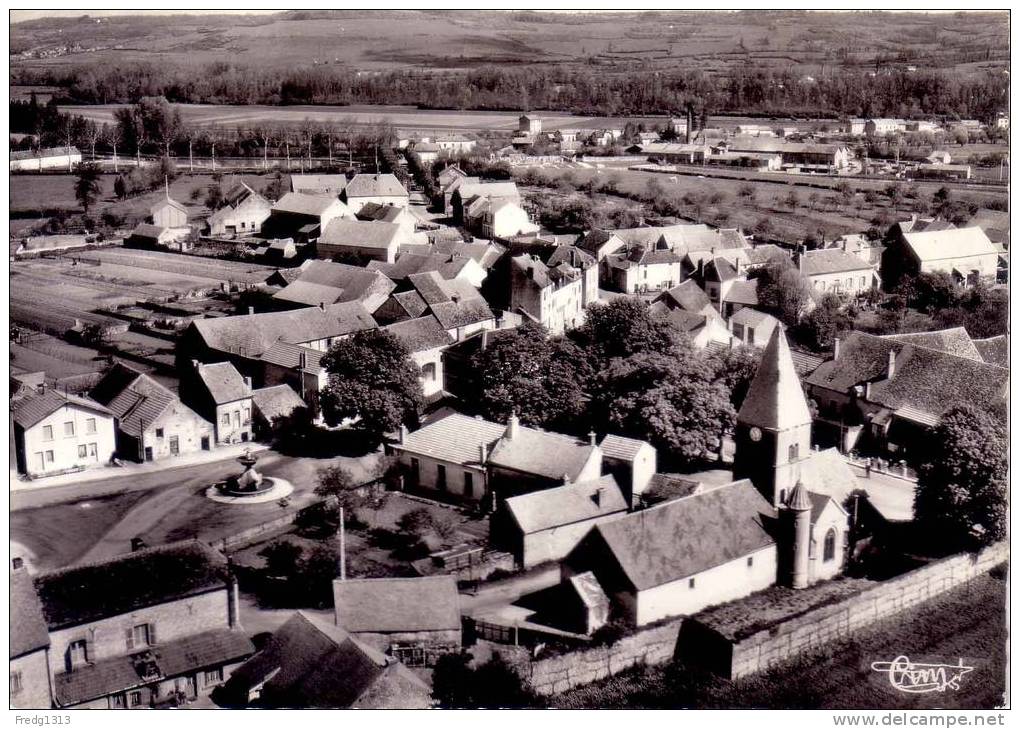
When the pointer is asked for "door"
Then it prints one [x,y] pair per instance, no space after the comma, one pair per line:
[415,474]
[94,452]
[148,453]
[175,445]
[205,442]
[40,462]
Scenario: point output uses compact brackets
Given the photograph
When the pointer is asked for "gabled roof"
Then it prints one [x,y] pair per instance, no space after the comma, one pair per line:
[742,292]
[567,504]
[688,296]
[411,302]
[134,398]
[167,203]
[301,204]
[952,341]
[33,408]
[309,663]
[775,399]
[289,356]
[408,263]
[360,233]
[994,350]
[765,253]
[572,256]
[148,230]
[749,317]
[397,604]
[28,631]
[455,438]
[621,448]
[719,269]
[701,238]
[223,382]
[382,213]
[252,334]
[325,282]
[318,184]
[276,401]
[470,190]
[588,589]
[831,260]
[944,244]
[454,302]
[828,474]
[368,185]
[85,593]
[682,538]
[420,334]
[551,455]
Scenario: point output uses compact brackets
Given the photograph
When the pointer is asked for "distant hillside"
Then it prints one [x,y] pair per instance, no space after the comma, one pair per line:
[381,40]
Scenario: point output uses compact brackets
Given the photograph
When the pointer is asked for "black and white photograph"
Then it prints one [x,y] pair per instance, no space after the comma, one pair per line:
[529,359]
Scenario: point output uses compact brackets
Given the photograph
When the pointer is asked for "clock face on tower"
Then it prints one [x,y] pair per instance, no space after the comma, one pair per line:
[755,434]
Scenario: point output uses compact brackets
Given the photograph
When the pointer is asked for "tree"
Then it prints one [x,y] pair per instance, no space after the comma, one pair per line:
[961,490]
[735,368]
[524,371]
[821,325]
[493,685]
[624,327]
[783,291]
[673,401]
[337,483]
[87,185]
[372,379]
[282,558]
[416,522]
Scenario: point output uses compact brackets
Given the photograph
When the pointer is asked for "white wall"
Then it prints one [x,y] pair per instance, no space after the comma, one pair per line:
[233,421]
[428,475]
[99,445]
[728,581]
[847,282]
[552,545]
[653,277]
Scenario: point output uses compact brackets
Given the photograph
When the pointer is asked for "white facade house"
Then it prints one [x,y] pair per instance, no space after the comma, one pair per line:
[56,432]
[833,270]
[55,158]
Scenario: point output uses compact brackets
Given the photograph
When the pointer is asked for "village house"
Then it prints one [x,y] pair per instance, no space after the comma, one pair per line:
[368,240]
[675,152]
[243,213]
[452,182]
[497,218]
[455,143]
[544,526]
[29,644]
[833,270]
[56,432]
[427,152]
[223,396]
[413,619]
[141,630]
[425,339]
[449,266]
[752,327]
[553,296]
[50,158]
[641,269]
[631,462]
[147,235]
[278,250]
[527,124]
[272,403]
[378,188]
[152,422]
[169,214]
[386,213]
[995,224]
[299,368]
[303,217]
[940,171]
[455,303]
[861,246]
[331,185]
[939,157]
[326,283]
[468,190]
[311,664]
[478,461]
[965,253]
[885,394]
[689,309]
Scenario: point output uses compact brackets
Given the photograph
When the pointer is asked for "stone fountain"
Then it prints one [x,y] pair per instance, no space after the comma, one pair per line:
[249,486]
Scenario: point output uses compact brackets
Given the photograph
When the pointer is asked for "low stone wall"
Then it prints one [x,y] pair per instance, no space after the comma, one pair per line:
[560,673]
[757,652]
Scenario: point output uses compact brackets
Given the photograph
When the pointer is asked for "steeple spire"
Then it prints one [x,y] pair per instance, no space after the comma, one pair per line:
[775,399]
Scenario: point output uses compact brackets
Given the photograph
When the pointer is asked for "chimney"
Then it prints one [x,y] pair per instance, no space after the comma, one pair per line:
[17,563]
[485,339]
[835,348]
[137,543]
[483,453]
[234,604]
[867,391]
[302,360]
[403,433]
[247,384]
[800,262]
[41,388]
[251,310]
[566,479]
[592,438]
[736,264]
[512,425]
[890,369]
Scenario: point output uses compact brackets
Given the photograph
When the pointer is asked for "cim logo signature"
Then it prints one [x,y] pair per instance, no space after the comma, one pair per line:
[922,678]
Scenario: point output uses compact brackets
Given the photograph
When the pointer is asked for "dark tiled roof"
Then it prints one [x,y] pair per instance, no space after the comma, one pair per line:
[669,487]
[331,283]
[831,260]
[994,350]
[359,233]
[552,455]
[366,185]
[27,626]
[454,302]
[135,398]
[180,657]
[318,184]
[775,399]
[276,401]
[397,605]
[223,382]
[30,410]
[420,334]
[148,230]
[617,446]
[952,341]
[409,263]
[301,204]
[411,302]
[719,269]
[455,438]
[743,292]
[381,213]
[568,504]
[289,356]
[572,256]
[82,594]
[311,664]
[688,296]
[681,538]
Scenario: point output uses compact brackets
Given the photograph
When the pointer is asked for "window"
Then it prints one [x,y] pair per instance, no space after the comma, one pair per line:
[469,484]
[78,653]
[829,552]
[750,561]
[16,682]
[68,429]
[247,415]
[82,452]
[93,451]
[428,372]
[17,563]
[237,418]
[690,583]
[139,636]
[136,698]
[49,456]
[750,335]
[213,676]
[226,418]
[441,477]
[47,432]
[864,282]
[415,471]
[794,452]
[90,425]
[159,432]
[118,701]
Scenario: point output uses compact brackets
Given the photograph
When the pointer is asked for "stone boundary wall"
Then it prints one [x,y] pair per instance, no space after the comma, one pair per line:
[836,622]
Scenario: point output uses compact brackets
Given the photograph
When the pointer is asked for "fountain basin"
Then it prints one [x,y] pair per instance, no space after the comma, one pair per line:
[271,489]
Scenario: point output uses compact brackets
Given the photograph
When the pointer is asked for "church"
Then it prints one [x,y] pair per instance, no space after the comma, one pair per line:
[782,520]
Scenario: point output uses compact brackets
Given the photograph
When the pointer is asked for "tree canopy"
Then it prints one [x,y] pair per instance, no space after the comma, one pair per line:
[783,291]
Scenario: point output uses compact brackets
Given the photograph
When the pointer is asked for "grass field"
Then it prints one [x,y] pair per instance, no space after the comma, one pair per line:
[968,622]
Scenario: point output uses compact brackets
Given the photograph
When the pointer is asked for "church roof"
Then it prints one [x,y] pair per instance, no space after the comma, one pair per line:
[775,399]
